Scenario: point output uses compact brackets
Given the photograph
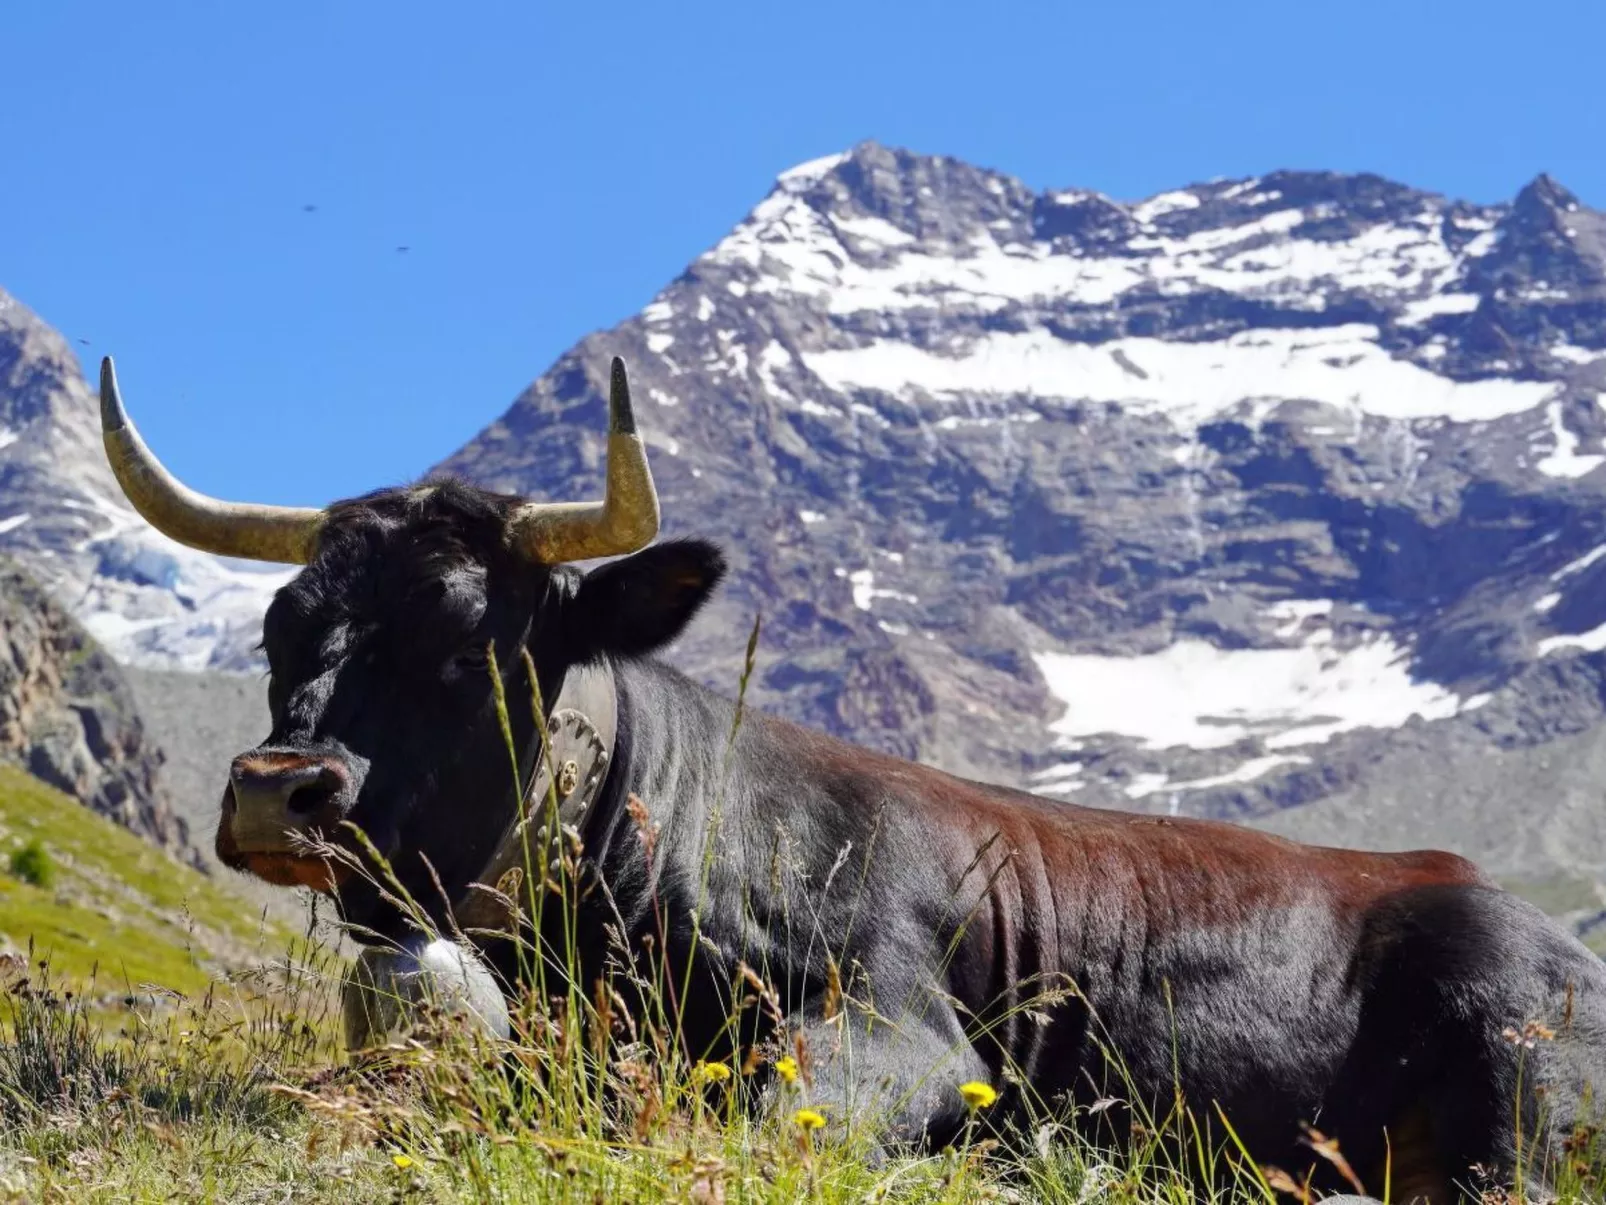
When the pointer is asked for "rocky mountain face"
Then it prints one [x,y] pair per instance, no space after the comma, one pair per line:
[67,716]
[1270,498]
[1275,498]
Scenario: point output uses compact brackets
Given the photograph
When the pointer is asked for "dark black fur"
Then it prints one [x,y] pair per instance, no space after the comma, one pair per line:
[1287,984]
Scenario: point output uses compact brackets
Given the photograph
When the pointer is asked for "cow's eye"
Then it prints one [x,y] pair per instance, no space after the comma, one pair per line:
[469,660]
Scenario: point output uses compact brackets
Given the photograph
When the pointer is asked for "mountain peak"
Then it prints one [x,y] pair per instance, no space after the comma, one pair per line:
[877,194]
[805,175]
[1549,247]
[1544,195]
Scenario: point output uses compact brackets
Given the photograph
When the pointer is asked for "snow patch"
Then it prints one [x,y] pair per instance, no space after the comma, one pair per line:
[1164,203]
[1215,238]
[1146,784]
[874,230]
[1591,641]
[1197,695]
[1291,613]
[1256,767]
[1579,565]
[1431,307]
[1341,366]
[773,357]
[800,251]
[811,172]
[1058,777]
[865,592]
[1574,355]
[155,602]
[1564,460]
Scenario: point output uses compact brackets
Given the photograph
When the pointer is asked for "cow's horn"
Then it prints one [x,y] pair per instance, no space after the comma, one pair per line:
[627,517]
[259,533]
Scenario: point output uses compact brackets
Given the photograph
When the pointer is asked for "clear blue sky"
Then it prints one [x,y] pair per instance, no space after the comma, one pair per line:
[551,166]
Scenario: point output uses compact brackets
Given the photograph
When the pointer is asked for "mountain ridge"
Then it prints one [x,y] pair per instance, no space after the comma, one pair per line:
[1190,503]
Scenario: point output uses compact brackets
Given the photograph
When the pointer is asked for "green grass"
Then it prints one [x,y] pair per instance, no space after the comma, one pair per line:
[32,864]
[115,905]
[207,1106]
[246,1098]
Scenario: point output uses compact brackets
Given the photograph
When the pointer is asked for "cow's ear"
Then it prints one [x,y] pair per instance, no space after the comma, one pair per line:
[639,603]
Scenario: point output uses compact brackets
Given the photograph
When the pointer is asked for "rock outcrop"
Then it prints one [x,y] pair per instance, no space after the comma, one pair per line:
[67,716]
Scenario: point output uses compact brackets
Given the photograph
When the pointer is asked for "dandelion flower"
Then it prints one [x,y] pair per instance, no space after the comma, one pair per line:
[710,1073]
[402,1161]
[809,1119]
[786,1068]
[978,1095]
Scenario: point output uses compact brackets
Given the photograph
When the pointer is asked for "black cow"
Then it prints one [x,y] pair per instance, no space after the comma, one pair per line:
[1400,1003]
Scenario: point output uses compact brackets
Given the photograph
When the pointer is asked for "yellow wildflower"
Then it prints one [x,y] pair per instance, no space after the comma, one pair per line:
[401,1161]
[710,1073]
[809,1119]
[977,1094]
[786,1068]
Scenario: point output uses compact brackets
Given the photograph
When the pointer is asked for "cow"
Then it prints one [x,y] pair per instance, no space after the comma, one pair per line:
[913,930]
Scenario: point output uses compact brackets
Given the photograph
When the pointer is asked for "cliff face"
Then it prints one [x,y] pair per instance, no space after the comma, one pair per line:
[67,716]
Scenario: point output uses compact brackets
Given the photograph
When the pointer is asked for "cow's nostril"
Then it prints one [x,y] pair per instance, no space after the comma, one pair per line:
[309,799]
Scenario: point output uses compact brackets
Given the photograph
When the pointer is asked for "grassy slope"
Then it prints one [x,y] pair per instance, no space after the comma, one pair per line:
[118,906]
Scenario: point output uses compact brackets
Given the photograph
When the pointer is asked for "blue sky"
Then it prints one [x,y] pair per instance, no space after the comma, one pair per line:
[551,166]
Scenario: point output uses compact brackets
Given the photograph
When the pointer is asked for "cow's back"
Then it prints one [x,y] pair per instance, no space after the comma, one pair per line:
[1112,955]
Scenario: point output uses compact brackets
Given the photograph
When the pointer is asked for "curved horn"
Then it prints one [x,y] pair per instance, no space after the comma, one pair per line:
[259,533]
[624,521]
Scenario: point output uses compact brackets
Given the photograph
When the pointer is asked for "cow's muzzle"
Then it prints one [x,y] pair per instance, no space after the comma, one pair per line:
[278,806]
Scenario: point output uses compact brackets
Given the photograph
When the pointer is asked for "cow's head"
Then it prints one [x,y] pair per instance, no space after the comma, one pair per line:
[380,694]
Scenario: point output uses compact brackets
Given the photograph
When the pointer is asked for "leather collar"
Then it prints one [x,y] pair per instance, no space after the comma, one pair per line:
[570,768]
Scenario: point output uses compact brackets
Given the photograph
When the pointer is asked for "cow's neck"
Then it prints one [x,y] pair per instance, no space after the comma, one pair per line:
[567,772]
[673,755]
[671,750]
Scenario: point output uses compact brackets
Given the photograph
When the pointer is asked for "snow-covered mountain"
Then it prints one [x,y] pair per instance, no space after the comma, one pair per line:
[1275,498]
[1213,503]
[145,598]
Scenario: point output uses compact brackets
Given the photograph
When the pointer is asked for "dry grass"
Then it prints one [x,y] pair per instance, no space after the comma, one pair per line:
[243,1094]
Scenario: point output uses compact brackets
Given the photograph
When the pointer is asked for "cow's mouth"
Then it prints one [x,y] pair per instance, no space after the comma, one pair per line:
[325,875]
[286,858]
